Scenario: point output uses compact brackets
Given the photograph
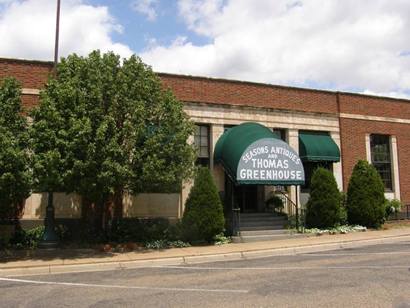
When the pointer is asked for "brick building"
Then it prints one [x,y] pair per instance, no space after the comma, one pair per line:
[359,126]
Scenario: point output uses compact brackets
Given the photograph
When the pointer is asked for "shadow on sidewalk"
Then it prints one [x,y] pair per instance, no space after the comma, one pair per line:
[63,253]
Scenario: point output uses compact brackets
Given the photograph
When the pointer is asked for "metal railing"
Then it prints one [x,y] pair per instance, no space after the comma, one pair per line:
[236,221]
[400,215]
[293,210]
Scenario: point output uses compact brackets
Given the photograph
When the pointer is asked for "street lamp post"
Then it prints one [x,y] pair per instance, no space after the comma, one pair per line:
[50,238]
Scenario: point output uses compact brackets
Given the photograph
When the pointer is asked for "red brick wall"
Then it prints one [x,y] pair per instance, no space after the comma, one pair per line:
[353,137]
[31,74]
[374,106]
[29,101]
[219,91]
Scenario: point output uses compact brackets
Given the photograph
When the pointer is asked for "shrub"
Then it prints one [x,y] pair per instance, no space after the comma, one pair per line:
[323,209]
[30,238]
[392,207]
[365,196]
[27,238]
[143,230]
[274,204]
[203,217]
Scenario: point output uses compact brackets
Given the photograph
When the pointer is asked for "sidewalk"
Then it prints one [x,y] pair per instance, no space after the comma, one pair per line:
[62,260]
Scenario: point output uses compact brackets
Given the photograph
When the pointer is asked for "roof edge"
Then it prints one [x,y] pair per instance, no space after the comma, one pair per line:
[27,61]
[234,81]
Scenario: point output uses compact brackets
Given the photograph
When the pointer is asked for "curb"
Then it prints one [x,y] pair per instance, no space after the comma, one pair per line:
[195,259]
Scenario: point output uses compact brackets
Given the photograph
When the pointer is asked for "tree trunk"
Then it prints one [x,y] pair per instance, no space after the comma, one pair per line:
[118,204]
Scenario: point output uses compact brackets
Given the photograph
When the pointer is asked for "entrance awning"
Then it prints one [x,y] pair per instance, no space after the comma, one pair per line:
[318,146]
[252,154]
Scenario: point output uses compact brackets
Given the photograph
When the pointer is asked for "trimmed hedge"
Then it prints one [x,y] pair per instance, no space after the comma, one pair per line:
[203,217]
[365,196]
[324,205]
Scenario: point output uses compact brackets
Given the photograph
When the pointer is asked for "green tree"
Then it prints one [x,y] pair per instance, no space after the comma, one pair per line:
[203,217]
[323,207]
[115,129]
[15,176]
[365,196]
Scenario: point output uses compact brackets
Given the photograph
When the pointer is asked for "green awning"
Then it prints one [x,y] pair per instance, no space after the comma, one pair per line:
[252,154]
[317,146]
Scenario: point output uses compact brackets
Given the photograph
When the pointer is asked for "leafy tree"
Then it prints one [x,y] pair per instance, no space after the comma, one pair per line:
[15,177]
[323,207]
[365,196]
[114,129]
[203,217]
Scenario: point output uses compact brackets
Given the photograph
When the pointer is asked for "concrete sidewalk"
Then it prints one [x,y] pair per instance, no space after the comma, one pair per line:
[60,261]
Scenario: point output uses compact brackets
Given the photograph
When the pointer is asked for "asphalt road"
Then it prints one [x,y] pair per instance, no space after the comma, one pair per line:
[374,276]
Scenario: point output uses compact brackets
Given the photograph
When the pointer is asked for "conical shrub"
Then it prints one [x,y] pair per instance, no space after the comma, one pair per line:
[324,205]
[365,196]
[203,217]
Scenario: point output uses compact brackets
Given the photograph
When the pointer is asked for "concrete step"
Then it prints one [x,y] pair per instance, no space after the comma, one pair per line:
[267,237]
[262,227]
[262,215]
[264,232]
[262,223]
[264,218]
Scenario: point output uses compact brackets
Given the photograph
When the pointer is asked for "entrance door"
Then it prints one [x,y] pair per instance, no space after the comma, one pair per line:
[246,197]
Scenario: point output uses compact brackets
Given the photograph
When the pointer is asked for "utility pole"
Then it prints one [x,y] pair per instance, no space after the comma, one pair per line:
[57,37]
[50,238]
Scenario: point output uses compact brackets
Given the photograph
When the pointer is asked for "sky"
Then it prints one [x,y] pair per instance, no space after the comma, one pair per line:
[344,45]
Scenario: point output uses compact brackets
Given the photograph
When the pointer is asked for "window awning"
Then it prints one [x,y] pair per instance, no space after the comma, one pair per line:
[317,146]
[252,154]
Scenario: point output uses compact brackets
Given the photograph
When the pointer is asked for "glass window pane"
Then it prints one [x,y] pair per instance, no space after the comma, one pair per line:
[204,141]
[204,152]
[204,130]
[196,141]
[381,160]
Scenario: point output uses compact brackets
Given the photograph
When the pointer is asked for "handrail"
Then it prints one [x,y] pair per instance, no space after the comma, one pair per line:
[236,221]
[295,207]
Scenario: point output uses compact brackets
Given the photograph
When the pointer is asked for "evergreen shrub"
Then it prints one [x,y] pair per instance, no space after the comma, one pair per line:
[203,217]
[365,196]
[392,207]
[324,205]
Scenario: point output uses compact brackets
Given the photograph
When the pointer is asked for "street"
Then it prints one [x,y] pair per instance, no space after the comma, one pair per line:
[373,276]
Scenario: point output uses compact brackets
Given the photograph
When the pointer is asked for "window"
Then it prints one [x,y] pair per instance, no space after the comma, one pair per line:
[381,159]
[280,132]
[201,141]
[311,166]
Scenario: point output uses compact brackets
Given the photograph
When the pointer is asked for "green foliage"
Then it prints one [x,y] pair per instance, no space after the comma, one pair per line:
[323,209]
[106,125]
[29,239]
[392,207]
[163,244]
[365,196]
[203,217]
[221,239]
[144,230]
[342,229]
[274,203]
[15,175]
